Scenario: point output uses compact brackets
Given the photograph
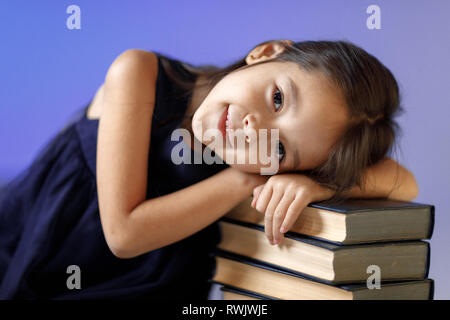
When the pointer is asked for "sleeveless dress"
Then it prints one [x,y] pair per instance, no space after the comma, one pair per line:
[49,217]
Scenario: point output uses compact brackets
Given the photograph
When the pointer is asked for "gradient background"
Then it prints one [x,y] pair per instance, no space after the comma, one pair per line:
[48,71]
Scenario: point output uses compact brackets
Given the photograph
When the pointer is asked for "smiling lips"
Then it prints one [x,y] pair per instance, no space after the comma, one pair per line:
[225,124]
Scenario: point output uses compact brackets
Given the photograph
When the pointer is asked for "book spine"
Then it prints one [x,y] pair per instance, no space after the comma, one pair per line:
[427,266]
[432,218]
[431,297]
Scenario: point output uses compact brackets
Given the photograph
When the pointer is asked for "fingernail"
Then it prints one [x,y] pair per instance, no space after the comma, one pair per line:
[283,229]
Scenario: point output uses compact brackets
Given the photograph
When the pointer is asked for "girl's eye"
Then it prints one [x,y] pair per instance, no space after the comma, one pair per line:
[281,151]
[278,99]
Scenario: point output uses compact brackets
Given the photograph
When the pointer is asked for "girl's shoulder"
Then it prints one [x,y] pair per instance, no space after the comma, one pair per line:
[132,63]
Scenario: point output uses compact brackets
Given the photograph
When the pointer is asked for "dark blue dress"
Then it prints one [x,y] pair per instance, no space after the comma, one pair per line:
[49,217]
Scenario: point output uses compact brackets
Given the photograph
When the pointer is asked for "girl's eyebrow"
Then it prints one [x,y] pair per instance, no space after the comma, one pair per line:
[294,90]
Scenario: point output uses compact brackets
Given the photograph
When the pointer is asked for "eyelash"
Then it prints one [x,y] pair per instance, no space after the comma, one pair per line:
[276,110]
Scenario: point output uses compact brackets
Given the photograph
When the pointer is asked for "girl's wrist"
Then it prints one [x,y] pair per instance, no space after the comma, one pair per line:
[247,179]
[321,193]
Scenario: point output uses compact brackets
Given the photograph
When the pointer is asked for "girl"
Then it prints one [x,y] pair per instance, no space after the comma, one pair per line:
[104,212]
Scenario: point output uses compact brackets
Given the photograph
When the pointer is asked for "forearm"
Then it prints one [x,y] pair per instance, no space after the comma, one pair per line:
[164,220]
[387,179]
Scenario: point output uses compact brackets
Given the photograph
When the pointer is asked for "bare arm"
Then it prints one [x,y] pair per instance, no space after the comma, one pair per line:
[123,142]
[387,179]
[164,220]
[133,225]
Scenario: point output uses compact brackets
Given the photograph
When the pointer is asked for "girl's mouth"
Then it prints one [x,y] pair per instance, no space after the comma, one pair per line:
[223,124]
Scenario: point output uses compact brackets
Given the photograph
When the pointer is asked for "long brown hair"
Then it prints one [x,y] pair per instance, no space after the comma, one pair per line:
[372,97]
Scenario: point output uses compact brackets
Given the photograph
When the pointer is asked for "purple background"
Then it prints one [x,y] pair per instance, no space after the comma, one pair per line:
[49,71]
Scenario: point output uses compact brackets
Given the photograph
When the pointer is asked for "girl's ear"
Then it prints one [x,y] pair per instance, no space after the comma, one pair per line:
[267,50]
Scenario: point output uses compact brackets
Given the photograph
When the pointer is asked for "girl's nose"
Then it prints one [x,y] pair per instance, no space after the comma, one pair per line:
[250,128]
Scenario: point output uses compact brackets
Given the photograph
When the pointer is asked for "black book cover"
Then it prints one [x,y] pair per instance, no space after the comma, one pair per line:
[246,292]
[350,206]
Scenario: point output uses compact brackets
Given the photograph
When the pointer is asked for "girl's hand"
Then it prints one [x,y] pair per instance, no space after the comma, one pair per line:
[282,198]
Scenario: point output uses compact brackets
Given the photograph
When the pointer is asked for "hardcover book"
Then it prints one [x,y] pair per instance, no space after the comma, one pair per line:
[354,220]
[405,260]
[252,276]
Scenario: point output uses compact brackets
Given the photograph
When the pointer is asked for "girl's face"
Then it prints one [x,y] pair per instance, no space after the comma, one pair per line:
[309,113]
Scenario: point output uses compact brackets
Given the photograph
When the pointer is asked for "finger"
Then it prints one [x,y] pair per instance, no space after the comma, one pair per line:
[256,193]
[270,210]
[280,214]
[293,213]
[263,198]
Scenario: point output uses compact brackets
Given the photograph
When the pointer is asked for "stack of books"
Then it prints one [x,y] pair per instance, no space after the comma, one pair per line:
[355,249]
